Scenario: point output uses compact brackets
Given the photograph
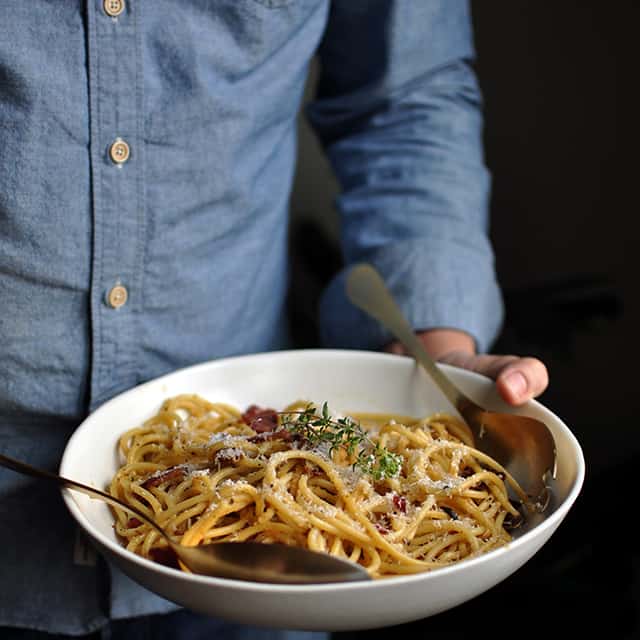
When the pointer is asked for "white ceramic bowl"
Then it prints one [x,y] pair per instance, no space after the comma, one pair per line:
[348,381]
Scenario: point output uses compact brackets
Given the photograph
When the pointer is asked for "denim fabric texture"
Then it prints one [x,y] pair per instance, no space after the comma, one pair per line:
[179,625]
[194,224]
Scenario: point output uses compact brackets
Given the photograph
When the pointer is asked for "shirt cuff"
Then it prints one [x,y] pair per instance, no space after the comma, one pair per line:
[436,286]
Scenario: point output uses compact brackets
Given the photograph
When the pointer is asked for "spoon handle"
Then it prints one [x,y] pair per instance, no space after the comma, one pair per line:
[26,469]
[366,289]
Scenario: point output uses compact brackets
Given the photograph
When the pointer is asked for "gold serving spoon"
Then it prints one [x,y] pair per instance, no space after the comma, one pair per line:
[523,445]
[252,561]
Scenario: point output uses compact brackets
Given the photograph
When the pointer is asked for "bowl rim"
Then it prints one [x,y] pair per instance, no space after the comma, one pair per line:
[549,523]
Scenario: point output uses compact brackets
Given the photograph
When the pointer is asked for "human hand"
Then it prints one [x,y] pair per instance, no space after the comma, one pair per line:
[518,378]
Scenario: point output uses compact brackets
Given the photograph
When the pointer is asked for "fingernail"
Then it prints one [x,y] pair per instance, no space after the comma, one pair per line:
[516,383]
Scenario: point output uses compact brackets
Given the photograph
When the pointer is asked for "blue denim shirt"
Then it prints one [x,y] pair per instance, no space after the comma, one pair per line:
[146,161]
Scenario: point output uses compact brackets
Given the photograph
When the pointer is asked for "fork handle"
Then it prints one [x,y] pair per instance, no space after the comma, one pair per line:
[26,469]
[367,290]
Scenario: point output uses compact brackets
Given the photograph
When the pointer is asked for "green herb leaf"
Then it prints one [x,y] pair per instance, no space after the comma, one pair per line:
[345,433]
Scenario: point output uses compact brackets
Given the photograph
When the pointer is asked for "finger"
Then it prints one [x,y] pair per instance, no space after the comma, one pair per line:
[522,379]
[395,347]
[517,379]
[485,364]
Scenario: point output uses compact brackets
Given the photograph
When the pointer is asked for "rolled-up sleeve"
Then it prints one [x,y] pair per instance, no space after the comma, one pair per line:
[398,110]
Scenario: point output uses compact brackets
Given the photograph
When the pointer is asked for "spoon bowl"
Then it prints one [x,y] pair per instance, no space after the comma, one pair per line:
[250,561]
[523,445]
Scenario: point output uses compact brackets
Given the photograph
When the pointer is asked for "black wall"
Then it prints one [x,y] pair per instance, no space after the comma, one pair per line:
[559,80]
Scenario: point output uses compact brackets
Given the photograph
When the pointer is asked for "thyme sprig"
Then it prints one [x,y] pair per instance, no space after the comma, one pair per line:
[343,433]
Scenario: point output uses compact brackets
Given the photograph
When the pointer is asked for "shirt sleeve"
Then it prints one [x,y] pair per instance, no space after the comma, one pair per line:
[398,111]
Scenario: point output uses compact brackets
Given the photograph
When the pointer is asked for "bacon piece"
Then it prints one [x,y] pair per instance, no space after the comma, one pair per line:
[382,529]
[228,457]
[259,419]
[172,474]
[312,470]
[383,524]
[400,503]
[251,412]
[280,434]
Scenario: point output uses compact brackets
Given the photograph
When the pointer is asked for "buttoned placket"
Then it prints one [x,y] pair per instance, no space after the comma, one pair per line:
[117,157]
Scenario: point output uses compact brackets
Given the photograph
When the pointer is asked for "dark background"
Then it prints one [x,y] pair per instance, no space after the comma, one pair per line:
[558,80]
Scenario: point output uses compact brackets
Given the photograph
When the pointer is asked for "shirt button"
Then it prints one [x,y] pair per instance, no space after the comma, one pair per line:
[117,296]
[113,8]
[119,151]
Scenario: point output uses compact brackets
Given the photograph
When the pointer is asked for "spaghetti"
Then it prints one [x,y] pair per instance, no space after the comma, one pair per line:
[398,495]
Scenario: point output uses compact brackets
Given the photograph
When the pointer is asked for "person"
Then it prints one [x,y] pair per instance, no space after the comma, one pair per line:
[146,160]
